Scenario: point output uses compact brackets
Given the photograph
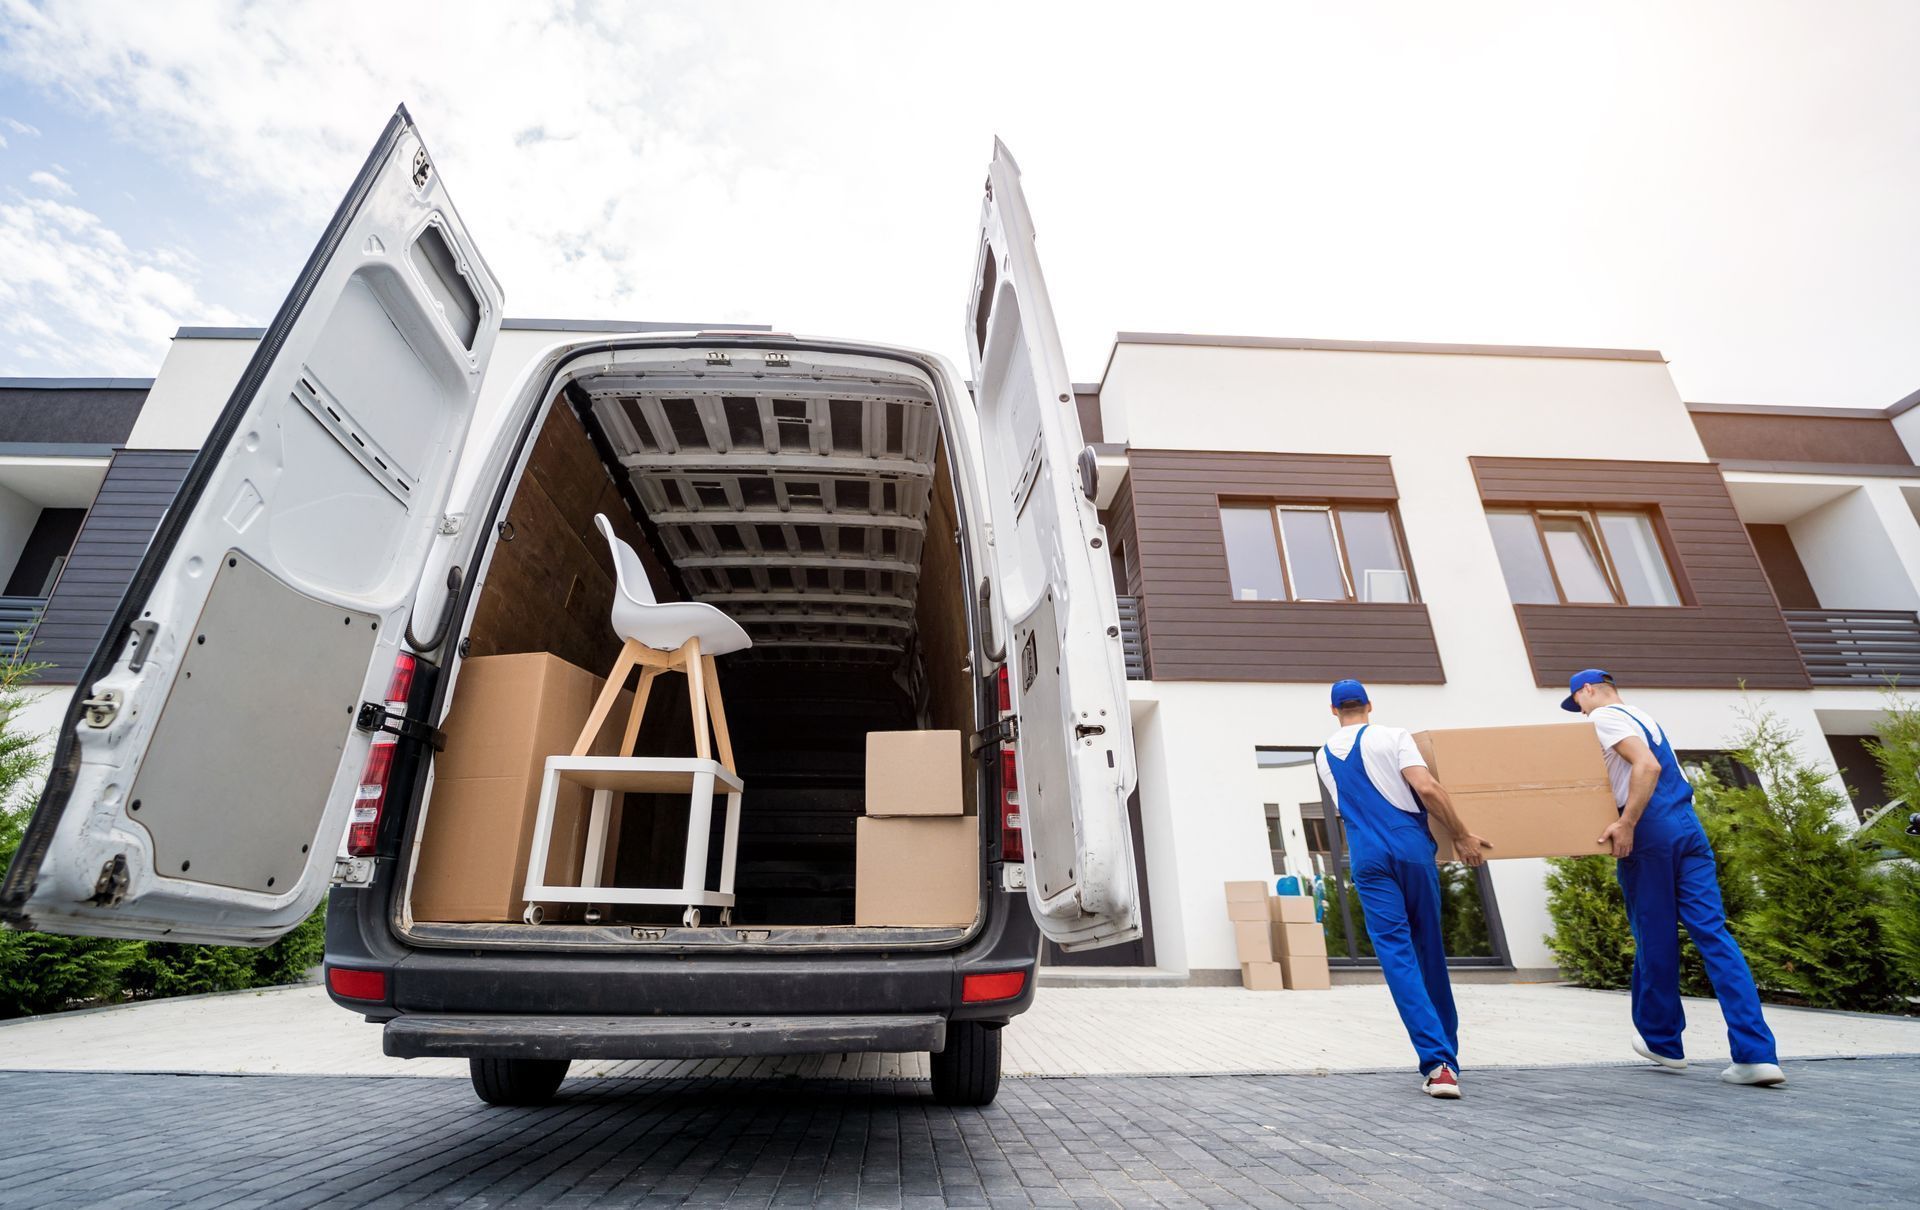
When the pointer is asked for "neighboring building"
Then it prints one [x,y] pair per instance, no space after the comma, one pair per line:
[1463,527]
[1460,526]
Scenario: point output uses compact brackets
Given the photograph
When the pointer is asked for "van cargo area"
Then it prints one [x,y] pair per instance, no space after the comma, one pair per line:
[809,496]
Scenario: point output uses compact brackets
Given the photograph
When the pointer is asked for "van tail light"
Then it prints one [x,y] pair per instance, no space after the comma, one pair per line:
[370,797]
[1004,985]
[1013,842]
[1006,691]
[361,985]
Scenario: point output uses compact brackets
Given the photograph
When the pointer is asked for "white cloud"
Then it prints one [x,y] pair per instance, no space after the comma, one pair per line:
[1726,183]
[76,300]
[19,127]
[51,183]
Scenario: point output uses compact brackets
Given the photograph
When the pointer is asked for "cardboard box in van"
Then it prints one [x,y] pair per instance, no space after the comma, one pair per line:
[1530,791]
[914,773]
[916,872]
[510,713]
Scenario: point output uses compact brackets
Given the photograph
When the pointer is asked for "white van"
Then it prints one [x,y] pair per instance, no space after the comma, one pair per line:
[905,554]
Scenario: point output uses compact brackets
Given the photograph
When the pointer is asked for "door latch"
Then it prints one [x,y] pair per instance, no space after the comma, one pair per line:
[143,632]
[374,716]
[102,708]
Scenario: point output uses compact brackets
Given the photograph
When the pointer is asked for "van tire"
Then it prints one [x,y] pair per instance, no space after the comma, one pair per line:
[517,1081]
[967,1072]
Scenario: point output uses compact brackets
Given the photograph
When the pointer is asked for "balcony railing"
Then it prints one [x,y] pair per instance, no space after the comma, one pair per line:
[17,618]
[1133,639]
[1857,646]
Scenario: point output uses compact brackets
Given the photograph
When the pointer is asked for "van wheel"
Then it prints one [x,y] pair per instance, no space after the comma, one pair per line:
[967,1072]
[517,1081]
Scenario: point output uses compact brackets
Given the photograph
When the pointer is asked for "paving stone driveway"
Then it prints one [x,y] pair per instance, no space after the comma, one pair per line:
[1844,1134]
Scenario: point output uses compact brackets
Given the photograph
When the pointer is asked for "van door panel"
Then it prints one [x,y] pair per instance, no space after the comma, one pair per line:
[1051,589]
[207,796]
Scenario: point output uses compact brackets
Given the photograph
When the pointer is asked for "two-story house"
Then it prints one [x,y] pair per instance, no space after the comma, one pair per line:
[1462,527]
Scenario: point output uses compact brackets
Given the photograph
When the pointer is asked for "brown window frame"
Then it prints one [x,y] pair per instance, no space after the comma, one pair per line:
[1331,508]
[1590,517]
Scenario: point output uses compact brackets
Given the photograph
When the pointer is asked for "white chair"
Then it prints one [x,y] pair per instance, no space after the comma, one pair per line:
[678,636]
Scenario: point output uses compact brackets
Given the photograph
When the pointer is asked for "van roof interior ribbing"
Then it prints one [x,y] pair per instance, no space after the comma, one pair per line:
[801,512]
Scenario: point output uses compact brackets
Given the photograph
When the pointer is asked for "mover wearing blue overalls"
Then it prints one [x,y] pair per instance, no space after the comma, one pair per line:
[1382,789]
[1668,875]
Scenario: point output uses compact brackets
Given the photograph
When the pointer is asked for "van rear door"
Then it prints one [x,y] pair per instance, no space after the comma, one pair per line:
[203,776]
[1052,591]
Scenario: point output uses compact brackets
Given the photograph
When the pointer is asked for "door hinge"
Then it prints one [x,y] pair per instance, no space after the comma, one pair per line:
[111,887]
[102,708]
[376,717]
[1006,731]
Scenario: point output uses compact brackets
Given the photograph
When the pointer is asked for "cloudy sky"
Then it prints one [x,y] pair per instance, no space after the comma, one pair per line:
[1733,184]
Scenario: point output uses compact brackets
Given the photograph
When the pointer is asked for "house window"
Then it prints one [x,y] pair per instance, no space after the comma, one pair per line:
[1315,552]
[1555,556]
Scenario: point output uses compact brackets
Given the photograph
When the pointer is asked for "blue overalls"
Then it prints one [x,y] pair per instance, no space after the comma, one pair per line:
[1391,854]
[1670,879]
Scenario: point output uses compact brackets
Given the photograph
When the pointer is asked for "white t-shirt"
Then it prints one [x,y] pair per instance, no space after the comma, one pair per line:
[1612,725]
[1384,752]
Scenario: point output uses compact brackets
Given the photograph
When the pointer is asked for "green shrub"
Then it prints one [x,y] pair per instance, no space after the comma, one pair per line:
[1898,753]
[1812,926]
[1591,940]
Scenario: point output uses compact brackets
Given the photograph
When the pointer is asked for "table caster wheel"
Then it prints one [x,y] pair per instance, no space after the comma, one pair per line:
[692,918]
[534,914]
[726,916]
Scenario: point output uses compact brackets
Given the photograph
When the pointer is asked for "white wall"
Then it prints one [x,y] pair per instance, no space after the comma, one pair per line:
[1862,551]
[17,517]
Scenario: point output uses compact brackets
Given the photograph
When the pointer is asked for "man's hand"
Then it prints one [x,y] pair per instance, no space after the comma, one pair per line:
[1467,849]
[1618,837]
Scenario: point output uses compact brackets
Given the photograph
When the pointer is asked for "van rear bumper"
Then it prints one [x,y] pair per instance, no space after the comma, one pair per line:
[529,1037]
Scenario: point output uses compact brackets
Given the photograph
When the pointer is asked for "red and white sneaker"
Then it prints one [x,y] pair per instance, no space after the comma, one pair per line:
[1443,1082]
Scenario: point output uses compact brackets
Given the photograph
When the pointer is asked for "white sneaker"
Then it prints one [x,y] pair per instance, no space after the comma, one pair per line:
[1640,1048]
[1763,1075]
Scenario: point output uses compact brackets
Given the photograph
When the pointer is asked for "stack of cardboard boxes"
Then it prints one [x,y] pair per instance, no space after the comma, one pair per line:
[917,851]
[1278,941]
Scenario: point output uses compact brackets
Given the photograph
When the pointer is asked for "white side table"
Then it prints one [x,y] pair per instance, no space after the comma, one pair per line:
[610,775]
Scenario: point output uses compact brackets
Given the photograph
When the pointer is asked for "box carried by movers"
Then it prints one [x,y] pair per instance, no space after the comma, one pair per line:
[1529,791]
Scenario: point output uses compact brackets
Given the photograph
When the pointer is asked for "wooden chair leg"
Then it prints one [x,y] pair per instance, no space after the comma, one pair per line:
[717,710]
[638,712]
[697,699]
[616,681]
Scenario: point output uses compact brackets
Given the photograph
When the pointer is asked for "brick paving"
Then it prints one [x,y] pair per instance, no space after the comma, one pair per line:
[1844,1134]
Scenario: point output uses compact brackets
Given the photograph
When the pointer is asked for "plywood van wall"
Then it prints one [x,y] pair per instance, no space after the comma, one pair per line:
[940,618]
[550,588]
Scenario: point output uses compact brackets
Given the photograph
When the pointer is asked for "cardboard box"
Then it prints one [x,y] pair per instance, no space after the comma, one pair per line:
[1530,791]
[1262,977]
[1290,909]
[509,713]
[911,774]
[1305,972]
[1247,901]
[1299,940]
[1253,940]
[916,872]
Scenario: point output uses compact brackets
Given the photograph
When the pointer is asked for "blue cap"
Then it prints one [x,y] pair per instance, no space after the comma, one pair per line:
[1580,680]
[1350,690]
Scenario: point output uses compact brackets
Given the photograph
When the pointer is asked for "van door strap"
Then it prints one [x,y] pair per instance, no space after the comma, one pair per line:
[375,717]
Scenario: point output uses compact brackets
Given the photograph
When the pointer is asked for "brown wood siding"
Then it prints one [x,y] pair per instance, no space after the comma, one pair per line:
[1196,631]
[1730,631]
[1756,437]
[1791,586]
